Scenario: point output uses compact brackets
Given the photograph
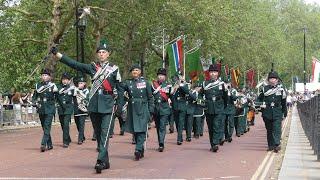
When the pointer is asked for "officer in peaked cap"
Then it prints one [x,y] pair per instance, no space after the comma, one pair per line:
[139,109]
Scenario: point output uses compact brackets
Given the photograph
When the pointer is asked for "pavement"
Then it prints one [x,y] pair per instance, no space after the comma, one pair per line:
[299,161]
[20,156]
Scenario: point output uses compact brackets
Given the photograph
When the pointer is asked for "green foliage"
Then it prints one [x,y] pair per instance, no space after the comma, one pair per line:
[248,34]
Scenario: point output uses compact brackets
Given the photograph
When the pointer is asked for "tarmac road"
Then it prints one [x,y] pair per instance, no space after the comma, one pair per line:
[20,156]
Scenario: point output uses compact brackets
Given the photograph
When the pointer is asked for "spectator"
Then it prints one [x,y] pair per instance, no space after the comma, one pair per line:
[17,102]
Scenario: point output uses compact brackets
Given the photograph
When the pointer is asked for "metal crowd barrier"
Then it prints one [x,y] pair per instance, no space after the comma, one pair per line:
[309,112]
[10,116]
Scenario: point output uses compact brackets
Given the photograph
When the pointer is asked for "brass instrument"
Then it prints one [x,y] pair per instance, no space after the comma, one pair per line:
[82,100]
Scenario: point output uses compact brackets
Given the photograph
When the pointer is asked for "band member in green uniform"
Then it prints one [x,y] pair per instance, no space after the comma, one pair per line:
[274,109]
[216,96]
[44,98]
[80,107]
[65,106]
[106,77]
[161,92]
[230,112]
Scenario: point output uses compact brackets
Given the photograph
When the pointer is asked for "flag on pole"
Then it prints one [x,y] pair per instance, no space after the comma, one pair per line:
[250,78]
[315,70]
[193,64]
[235,77]
[175,53]
[205,68]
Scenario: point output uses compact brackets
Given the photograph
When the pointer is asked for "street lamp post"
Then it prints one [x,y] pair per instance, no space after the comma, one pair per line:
[82,27]
[304,58]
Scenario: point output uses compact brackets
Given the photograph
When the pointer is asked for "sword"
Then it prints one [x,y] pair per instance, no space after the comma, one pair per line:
[145,143]
[105,142]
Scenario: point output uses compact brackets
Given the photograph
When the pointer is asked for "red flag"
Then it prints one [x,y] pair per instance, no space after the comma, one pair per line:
[250,78]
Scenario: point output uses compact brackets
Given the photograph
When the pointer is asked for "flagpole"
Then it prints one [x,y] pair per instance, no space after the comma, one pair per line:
[175,39]
[184,59]
[163,50]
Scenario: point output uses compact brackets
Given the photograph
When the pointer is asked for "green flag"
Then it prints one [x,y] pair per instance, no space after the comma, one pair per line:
[193,65]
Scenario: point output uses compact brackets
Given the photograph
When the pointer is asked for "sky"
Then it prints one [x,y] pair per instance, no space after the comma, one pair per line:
[312,1]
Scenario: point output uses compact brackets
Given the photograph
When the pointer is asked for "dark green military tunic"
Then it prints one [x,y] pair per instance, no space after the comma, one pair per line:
[274,100]
[139,109]
[230,112]
[80,111]
[215,97]
[44,97]
[65,110]
[179,103]
[198,116]
[162,110]
[239,115]
[101,105]
[191,106]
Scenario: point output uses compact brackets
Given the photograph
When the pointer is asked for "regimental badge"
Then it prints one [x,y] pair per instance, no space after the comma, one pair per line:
[141,85]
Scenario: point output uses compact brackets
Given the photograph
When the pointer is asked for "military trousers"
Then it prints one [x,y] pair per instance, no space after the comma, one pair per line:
[237,124]
[161,121]
[214,122]
[243,124]
[80,122]
[140,138]
[222,127]
[229,126]
[273,127]
[189,125]
[171,122]
[46,122]
[179,118]
[121,123]
[65,126]
[101,123]
[197,125]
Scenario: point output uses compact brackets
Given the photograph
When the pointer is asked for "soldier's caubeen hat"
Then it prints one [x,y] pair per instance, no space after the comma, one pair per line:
[46,71]
[214,67]
[66,75]
[162,71]
[135,66]
[273,74]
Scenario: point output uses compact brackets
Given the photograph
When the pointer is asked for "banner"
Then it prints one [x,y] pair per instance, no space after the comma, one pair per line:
[315,70]
[193,64]
[175,54]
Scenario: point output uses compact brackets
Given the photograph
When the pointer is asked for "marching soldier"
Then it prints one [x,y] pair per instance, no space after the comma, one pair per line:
[274,108]
[44,98]
[80,107]
[191,105]
[65,106]
[139,109]
[179,103]
[161,92]
[106,77]
[239,117]
[230,112]
[198,116]
[215,96]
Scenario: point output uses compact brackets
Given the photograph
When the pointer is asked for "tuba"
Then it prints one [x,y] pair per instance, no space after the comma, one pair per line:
[82,100]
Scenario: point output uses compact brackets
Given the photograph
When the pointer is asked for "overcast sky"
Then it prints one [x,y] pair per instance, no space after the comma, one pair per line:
[312,1]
